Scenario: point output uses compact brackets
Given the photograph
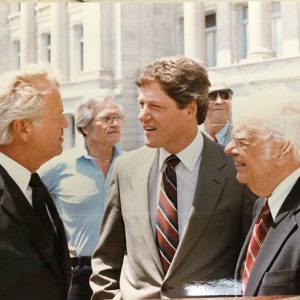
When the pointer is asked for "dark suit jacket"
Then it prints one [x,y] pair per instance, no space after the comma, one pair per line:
[127,258]
[28,270]
[277,267]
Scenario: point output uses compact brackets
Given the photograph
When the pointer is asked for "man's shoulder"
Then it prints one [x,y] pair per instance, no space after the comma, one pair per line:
[137,154]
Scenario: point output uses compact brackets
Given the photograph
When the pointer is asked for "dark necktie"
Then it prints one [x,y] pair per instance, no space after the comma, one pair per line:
[259,233]
[214,138]
[166,218]
[39,195]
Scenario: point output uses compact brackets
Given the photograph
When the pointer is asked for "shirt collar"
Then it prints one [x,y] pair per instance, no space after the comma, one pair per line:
[83,151]
[281,191]
[187,156]
[221,133]
[18,173]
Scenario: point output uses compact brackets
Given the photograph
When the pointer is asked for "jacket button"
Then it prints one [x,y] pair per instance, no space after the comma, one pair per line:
[166,289]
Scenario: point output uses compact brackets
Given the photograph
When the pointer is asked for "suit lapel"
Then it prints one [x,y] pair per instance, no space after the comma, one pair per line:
[208,190]
[15,204]
[284,223]
[141,192]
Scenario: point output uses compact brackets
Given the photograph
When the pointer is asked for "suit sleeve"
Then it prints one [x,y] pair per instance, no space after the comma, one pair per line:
[108,257]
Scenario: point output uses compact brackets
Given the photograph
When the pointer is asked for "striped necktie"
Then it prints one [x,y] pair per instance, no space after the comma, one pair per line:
[166,218]
[259,233]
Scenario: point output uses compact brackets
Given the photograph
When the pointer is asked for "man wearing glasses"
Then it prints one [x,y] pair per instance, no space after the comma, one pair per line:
[79,180]
[266,150]
[216,125]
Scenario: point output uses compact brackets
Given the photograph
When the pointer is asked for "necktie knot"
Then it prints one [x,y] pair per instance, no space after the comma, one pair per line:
[172,161]
[35,180]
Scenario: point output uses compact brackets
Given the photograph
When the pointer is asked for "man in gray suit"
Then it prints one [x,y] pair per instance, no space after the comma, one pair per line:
[217,122]
[266,150]
[171,231]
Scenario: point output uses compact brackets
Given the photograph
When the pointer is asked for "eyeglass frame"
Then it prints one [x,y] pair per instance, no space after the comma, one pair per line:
[242,142]
[218,92]
[109,119]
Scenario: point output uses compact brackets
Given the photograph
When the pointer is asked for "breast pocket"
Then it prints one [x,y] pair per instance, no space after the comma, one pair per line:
[282,282]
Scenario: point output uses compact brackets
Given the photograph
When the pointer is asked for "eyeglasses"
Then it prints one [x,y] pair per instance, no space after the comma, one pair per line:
[110,119]
[224,94]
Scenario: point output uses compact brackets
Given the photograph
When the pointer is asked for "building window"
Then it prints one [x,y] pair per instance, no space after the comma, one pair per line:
[16,55]
[46,47]
[79,48]
[244,32]
[276,28]
[210,37]
[69,133]
[180,36]
[15,7]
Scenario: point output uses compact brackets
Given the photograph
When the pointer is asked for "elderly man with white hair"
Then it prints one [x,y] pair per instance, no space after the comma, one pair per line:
[266,149]
[216,125]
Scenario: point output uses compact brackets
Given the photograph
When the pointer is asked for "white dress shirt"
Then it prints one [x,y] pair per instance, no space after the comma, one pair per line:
[19,174]
[187,177]
[281,191]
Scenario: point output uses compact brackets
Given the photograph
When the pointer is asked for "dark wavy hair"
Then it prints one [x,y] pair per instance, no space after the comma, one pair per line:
[182,79]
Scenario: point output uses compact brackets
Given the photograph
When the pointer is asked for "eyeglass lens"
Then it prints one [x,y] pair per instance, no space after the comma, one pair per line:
[224,95]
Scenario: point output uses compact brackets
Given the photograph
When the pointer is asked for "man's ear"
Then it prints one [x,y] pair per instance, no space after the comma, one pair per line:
[284,154]
[21,129]
[85,130]
[192,108]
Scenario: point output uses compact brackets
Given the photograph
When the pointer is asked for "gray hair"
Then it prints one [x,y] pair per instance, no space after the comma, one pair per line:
[85,110]
[22,96]
[272,113]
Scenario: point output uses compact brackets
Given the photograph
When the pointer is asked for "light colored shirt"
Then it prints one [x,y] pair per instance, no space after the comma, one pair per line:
[187,177]
[19,174]
[280,193]
[221,135]
[79,189]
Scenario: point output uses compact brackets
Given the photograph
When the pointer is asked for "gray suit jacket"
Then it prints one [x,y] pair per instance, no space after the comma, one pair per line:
[277,267]
[126,263]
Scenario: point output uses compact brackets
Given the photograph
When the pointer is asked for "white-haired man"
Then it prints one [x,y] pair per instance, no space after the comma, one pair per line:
[266,149]
[79,180]
[34,258]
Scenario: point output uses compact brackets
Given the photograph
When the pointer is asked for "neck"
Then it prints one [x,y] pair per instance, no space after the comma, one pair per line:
[102,153]
[213,129]
[21,156]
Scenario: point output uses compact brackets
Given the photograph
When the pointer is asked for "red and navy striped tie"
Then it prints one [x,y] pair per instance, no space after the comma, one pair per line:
[166,218]
[259,233]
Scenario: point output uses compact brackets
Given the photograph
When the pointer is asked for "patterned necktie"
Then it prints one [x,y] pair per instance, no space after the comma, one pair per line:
[39,194]
[214,138]
[259,233]
[166,218]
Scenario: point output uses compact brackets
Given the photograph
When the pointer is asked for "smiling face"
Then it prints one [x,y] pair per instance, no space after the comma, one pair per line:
[165,125]
[256,161]
[104,130]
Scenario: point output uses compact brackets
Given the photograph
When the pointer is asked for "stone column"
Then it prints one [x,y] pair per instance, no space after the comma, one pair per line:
[92,36]
[260,30]
[27,34]
[194,30]
[4,37]
[59,37]
[224,31]
[290,16]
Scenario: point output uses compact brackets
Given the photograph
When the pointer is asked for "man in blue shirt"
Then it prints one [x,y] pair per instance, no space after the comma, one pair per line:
[79,180]
[216,125]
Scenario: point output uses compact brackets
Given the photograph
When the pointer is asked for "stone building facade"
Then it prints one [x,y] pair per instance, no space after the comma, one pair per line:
[99,46]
